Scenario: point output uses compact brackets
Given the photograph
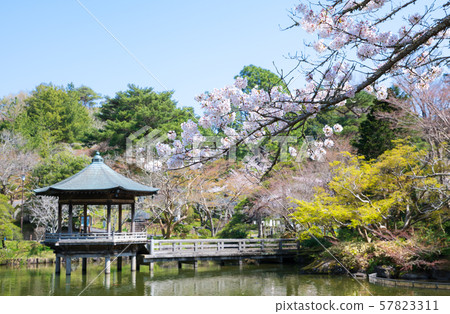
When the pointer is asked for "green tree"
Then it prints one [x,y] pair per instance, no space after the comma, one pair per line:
[53,114]
[139,107]
[11,107]
[376,135]
[7,227]
[350,116]
[257,76]
[236,228]
[58,167]
[262,79]
[86,95]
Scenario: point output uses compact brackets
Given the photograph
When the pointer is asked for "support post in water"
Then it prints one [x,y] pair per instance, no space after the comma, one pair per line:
[68,266]
[133,263]
[107,264]
[58,265]
[84,265]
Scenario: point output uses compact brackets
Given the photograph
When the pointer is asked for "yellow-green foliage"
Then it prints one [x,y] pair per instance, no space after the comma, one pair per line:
[391,192]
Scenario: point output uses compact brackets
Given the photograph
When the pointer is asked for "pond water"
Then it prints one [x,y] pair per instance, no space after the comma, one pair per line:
[208,279]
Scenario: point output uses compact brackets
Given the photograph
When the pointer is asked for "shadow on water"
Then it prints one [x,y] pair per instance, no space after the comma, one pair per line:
[208,279]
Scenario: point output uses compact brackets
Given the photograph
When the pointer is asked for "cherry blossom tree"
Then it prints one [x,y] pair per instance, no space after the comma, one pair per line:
[44,212]
[15,161]
[217,190]
[360,45]
[426,112]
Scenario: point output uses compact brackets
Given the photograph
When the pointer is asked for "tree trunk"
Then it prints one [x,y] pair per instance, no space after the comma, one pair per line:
[260,228]
[211,225]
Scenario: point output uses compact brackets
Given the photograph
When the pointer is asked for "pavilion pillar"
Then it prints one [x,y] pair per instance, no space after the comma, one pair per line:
[58,265]
[85,228]
[119,259]
[108,264]
[108,218]
[133,263]
[59,217]
[120,219]
[68,266]
[70,217]
[85,219]
[132,217]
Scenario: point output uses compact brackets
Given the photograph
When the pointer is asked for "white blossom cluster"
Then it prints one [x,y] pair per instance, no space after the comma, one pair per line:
[348,27]
[318,149]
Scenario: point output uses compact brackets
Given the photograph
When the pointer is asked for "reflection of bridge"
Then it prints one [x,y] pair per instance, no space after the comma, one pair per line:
[192,251]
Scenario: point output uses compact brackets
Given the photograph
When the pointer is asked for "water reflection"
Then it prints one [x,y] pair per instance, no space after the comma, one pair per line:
[207,279]
[108,281]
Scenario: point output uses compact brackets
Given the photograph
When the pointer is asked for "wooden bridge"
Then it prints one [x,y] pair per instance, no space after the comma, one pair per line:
[144,250]
[192,251]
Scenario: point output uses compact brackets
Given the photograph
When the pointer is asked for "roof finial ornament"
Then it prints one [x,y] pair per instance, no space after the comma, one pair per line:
[97,158]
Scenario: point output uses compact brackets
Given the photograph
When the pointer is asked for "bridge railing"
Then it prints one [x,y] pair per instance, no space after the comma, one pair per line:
[96,236]
[232,246]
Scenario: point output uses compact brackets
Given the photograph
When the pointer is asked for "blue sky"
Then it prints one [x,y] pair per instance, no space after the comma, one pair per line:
[190,46]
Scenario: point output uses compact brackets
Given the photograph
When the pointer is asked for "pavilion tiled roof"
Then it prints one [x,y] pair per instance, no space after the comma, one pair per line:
[97,177]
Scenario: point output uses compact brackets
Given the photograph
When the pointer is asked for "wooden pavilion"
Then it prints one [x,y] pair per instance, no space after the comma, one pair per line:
[97,184]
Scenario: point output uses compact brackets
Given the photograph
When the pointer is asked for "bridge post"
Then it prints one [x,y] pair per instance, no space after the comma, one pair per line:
[280,245]
[152,246]
[180,265]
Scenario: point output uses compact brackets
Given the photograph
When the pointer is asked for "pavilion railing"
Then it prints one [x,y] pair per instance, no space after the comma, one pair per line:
[97,236]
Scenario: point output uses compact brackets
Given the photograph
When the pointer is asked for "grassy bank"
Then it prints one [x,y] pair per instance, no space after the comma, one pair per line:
[21,251]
